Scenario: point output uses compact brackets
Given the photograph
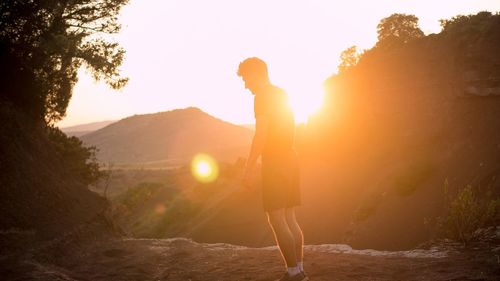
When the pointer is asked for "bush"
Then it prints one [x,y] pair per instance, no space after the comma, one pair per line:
[80,161]
[178,216]
[138,195]
[467,212]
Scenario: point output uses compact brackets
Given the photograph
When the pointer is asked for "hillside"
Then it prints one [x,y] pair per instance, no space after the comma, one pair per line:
[82,129]
[176,134]
[43,194]
[403,121]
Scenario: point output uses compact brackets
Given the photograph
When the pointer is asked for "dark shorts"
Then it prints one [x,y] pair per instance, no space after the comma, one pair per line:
[280,181]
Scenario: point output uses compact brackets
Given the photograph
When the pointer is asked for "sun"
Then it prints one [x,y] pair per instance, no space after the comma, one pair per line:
[304,104]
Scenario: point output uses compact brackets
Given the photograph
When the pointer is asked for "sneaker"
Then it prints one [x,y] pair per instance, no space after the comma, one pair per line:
[298,277]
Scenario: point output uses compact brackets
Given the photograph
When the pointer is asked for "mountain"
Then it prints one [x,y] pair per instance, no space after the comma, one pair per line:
[172,135]
[82,129]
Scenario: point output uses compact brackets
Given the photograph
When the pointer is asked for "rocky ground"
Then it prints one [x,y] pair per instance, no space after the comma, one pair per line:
[183,259]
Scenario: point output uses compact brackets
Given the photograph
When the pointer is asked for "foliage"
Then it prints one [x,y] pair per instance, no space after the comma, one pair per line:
[80,161]
[138,195]
[466,212]
[107,174]
[179,215]
[44,43]
[466,23]
[392,83]
[482,29]
[348,58]
[398,29]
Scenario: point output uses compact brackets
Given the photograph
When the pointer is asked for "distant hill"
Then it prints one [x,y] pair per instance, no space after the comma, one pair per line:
[249,126]
[171,135]
[82,129]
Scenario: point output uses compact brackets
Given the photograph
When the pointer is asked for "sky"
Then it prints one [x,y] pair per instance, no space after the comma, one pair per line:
[186,53]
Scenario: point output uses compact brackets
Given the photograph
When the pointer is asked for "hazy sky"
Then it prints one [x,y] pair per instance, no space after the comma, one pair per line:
[186,53]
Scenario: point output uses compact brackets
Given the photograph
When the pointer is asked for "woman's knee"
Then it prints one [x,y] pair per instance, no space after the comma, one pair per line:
[290,216]
[276,218]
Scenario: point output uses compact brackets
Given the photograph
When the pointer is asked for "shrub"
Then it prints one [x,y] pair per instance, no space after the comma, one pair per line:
[178,216]
[139,194]
[467,212]
[80,161]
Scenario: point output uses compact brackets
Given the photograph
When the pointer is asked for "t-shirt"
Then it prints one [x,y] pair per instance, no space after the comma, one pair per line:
[273,104]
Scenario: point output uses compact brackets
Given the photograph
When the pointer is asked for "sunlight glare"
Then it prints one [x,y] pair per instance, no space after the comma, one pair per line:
[305,103]
[204,168]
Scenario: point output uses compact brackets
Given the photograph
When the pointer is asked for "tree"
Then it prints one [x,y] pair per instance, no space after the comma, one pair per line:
[398,29]
[471,27]
[348,58]
[44,43]
[79,161]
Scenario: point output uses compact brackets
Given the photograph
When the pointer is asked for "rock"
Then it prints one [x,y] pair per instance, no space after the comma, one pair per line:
[494,91]
[471,90]
[481,92]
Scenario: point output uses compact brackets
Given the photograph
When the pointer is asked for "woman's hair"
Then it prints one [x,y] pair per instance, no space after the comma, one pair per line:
[253,67]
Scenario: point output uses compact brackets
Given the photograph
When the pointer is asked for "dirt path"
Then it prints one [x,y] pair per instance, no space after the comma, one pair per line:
[182,259]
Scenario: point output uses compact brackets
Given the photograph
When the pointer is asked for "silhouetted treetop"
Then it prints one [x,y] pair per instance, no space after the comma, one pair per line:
[472,27]
[397,29]
[465,22]
[44,43]
[348,58]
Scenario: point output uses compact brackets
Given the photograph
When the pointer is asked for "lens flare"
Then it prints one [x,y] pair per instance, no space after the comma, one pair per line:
[204,168]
